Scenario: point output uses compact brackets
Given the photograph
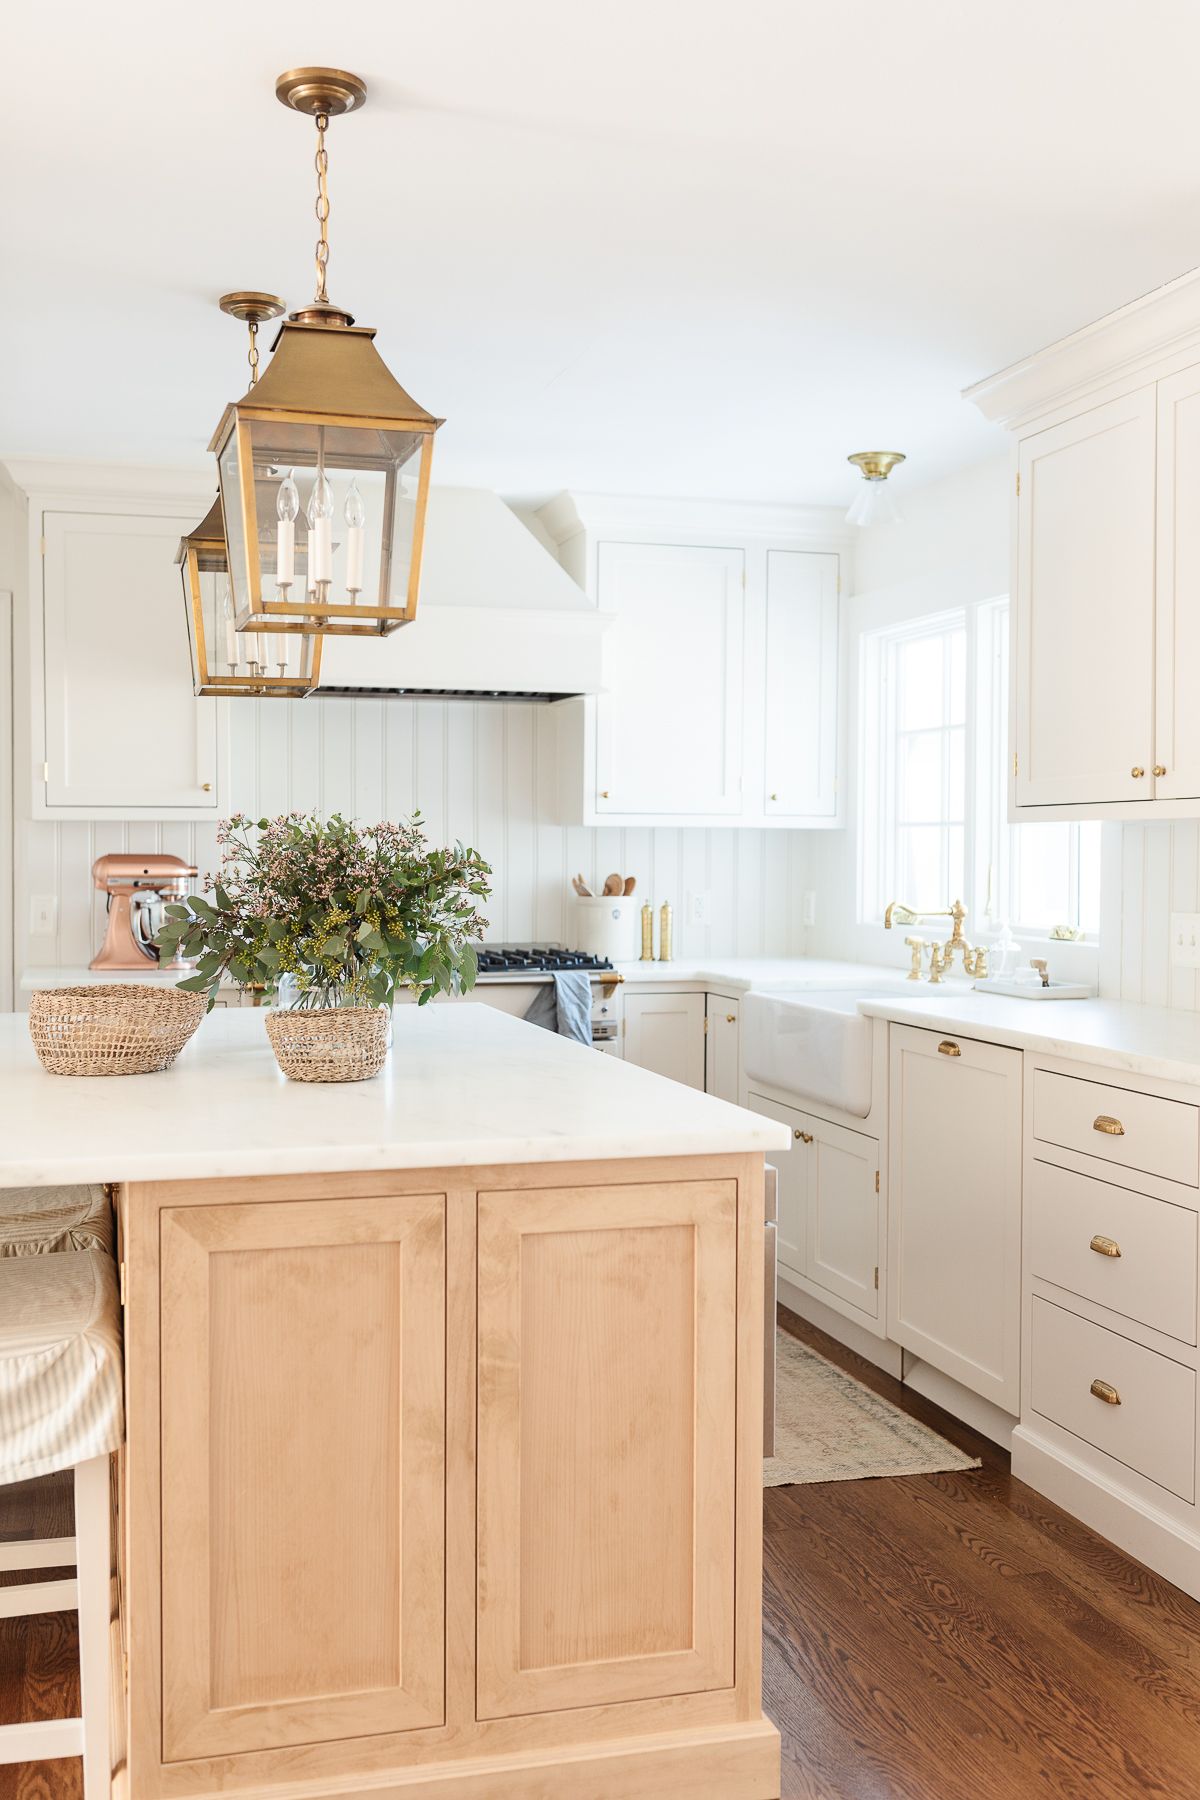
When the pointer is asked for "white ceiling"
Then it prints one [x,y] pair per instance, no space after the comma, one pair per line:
[645,246]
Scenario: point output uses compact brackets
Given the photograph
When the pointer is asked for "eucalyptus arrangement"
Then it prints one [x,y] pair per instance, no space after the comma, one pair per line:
[349,913]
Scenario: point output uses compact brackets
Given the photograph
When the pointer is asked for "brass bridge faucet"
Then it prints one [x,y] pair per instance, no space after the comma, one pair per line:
[974,960]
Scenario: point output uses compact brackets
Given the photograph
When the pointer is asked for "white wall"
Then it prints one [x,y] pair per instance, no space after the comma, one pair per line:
[481,771]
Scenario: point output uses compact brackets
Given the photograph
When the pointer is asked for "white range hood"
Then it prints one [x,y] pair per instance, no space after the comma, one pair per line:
[498,617]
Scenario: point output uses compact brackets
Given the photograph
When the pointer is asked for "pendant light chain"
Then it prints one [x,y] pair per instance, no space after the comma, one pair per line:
[322,208]
[252,356]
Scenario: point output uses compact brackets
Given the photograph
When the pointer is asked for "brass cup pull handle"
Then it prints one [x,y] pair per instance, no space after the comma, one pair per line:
[947,1048]
[1104,1246]
[1109,1126]
[1104,1390]
[804,1136]
[1137,771]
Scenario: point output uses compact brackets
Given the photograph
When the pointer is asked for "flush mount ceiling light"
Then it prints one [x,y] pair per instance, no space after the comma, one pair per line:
[254,664]
[327,445]
[875,504]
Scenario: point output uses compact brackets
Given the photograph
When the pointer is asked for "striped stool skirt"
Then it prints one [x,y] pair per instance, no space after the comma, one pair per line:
[61,1407]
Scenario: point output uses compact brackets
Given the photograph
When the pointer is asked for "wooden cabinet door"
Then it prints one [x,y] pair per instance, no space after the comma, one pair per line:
[954,1205]
[669,724]
[1177,633]
[1083,670]
[665,1033]
[801,685]
[303,1450]
[722,1055]
[607,1425]
[124,735]
[844,1248]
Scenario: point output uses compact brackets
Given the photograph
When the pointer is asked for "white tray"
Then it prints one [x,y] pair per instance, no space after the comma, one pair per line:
[1033,990]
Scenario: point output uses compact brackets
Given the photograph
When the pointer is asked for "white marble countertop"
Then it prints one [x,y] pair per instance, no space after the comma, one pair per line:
[463,1085]
[742,974]
[1158,1041]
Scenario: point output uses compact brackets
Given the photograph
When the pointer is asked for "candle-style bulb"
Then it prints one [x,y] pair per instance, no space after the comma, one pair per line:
[320,501]
[320,535]
[354,510]
[287,500]
[355,514]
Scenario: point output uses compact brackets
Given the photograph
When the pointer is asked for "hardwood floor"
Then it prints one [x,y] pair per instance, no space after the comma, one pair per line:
[939,1637]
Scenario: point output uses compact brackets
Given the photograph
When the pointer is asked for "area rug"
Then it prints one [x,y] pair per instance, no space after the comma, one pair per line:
[829,1427]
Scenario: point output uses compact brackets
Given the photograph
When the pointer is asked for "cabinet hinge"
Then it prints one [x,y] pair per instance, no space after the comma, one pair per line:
[706,1024]
[1018,484]
[877,1181]
[45,771]
[1016,764]
[42,545]
[121,1273]
[877,1275]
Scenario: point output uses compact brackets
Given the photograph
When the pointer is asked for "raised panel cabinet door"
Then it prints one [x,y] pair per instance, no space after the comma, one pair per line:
[607,1444]
[303,1472]
[1083,669]
[721,1048]
[669,723]
[954,1208]
[665,1033]
[844,1221]
[1177,632]
[792,1194]
[801,685]
[123,728]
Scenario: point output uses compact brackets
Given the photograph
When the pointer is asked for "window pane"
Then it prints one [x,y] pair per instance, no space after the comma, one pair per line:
[920,875]
[956,754]
[920,689]
[1089,877]
[958,677]
[955,885]
[1042,871]
[920,796]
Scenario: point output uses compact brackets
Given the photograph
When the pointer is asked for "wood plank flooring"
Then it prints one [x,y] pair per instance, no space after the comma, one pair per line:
[938,1637]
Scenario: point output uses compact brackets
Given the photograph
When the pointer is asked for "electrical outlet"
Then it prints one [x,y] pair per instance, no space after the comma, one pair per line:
[43,915]
[1185,940]
[808,907]
[699,909]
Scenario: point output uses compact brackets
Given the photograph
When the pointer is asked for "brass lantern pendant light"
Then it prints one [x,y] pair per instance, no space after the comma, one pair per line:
[327,449]
[225,662]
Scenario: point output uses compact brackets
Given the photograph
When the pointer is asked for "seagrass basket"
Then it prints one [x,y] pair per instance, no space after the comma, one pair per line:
[336,1043]
[117,1029]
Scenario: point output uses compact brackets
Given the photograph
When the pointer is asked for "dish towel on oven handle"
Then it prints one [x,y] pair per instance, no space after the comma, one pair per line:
[565,1005]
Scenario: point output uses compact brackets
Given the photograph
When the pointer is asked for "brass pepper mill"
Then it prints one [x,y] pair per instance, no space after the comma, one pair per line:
[664,933]
[647,933]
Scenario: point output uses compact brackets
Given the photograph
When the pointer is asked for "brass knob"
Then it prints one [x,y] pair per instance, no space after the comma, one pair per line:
[1105,1246]
[1104,1390]
[804,1136]
[1108,1125]
[206,787]
[1160,768]
[1137,771]
[731,1018]
[604,793]
[774,796]
[946,1048]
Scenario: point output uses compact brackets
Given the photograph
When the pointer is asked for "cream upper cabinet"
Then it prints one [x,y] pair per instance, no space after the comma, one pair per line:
[954,1208]
[117,731]
[669,724]
[1177,618]
[1083,663]
[800,713]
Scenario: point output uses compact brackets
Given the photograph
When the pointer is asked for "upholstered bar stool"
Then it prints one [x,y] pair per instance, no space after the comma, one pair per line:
[38,1221]
[61,1407]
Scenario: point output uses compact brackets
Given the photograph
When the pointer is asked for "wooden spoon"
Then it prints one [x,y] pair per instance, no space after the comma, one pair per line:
[630,884]
[614,885]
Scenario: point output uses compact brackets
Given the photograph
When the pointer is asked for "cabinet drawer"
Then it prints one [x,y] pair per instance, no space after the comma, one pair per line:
[1139,1131]
[1153,1428]
[1153,1279]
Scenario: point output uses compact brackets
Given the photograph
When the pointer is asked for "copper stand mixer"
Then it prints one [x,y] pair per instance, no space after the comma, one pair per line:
[136,886]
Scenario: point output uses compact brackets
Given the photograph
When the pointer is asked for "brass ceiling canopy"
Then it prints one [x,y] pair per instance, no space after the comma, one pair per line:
[327,403]
[876,465]
[315,91]
[251,307]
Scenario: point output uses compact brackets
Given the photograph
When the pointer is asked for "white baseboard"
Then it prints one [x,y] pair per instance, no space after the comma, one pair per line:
[981,1415]
[876,1350]
[1159,1541]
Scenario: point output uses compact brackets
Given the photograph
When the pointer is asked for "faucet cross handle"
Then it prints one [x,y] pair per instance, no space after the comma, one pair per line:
[916,945]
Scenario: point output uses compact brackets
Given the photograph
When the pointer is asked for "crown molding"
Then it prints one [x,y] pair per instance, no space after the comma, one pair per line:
[1116,348]
[54,479]
[601,515]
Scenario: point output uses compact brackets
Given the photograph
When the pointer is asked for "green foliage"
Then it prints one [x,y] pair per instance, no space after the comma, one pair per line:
[349,912]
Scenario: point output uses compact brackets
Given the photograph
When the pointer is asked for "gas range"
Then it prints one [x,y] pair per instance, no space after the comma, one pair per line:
[533,962]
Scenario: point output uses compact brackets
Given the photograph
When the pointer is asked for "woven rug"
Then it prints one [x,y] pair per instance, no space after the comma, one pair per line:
[829,1427]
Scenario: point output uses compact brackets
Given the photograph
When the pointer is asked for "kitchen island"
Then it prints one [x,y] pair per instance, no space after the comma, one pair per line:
[444,1421]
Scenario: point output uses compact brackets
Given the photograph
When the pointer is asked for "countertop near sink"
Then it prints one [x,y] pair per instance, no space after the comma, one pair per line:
[1141,1040]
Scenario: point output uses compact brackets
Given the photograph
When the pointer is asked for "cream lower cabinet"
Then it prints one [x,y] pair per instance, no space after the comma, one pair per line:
[722,1047]
[830,1226]
[954,1234]
[665,1033]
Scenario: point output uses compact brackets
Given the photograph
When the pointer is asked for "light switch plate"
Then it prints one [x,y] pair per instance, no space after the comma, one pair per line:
[1185,940]
[699,909]
[808,907]
[43,915]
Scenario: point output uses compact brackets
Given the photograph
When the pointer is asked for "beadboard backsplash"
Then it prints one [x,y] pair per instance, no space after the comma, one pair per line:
[1148,872]
[484,772]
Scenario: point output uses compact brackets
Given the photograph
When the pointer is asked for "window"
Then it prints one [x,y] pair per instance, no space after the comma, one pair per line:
[934,794]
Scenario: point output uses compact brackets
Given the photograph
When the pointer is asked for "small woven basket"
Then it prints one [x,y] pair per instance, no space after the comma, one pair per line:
[336,1043]
[122,1029]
